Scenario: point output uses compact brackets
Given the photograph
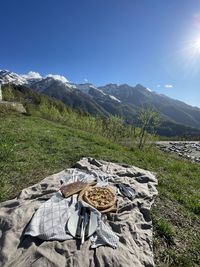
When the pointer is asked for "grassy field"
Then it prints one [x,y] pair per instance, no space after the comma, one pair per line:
[32,148]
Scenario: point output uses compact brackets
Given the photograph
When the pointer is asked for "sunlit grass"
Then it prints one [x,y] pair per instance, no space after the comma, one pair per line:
[32,148]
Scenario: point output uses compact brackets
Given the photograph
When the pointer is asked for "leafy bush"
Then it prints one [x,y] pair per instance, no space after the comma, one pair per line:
[7,93]
[149,120]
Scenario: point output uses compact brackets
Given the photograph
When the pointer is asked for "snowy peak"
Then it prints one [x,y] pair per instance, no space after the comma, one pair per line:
[85,87]
[92,91]
[30,78]
[11,77]
[53,84]
[117,99]
[58,77]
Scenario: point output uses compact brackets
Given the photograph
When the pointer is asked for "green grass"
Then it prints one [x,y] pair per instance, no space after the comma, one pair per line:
[164,229]
[32,148]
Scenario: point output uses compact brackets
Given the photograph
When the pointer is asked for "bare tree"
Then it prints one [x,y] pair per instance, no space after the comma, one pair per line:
[149,120]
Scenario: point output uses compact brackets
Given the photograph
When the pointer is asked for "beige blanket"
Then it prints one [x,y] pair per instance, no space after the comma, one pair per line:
[132,224]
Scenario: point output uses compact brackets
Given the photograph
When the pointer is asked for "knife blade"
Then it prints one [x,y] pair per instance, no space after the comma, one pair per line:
[87,215]
[80,222]
[82,232]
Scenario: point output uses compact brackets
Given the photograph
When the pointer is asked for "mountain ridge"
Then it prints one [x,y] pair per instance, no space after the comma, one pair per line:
[117,99]
[39,103]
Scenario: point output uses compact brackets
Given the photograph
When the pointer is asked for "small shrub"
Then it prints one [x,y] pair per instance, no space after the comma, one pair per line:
[149,120]
[7,93]
[114,128]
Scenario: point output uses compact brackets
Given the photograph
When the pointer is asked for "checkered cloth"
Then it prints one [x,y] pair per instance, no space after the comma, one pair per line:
[49,221]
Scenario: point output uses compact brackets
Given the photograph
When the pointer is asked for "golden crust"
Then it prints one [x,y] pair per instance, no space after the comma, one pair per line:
[80,196]
[102,198]
[111,209]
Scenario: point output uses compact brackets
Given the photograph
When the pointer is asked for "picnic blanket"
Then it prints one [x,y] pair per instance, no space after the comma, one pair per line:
[49,221]
[132,223]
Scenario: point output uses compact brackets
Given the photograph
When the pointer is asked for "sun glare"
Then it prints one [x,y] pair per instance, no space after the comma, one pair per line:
[190,55]
[197,44]
[187,57]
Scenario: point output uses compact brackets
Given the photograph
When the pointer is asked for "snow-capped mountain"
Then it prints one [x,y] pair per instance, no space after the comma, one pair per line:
[11,77]
[47,84]
[89,89]
[29,78]
[170,109]
[51,82]
[85,87]
[85,96]
[122,100]
[126,92]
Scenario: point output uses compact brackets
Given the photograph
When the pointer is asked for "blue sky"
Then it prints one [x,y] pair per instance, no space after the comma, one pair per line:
[152,42]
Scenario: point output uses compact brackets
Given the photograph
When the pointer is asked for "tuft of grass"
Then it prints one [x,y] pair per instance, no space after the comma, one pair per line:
[7,145]
[165,229]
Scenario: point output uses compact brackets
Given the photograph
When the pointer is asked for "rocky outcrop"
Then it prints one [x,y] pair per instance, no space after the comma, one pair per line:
[12,106]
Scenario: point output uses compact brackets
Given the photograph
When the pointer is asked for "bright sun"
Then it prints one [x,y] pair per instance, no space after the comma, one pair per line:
[197,44]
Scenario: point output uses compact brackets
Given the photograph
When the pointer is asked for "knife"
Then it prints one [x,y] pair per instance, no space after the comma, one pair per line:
[82,232]
[87,215]
[85,225]
[80,222]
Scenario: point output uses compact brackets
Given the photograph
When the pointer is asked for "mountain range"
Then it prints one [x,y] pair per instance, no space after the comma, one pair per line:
[122,100]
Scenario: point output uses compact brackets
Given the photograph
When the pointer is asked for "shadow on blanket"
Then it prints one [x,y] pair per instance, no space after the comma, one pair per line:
[26,241]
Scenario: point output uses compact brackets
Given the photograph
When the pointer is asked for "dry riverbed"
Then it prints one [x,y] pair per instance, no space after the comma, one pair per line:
[189,150]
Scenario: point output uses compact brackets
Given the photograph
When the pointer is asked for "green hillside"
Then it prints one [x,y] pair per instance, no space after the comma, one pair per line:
[41,143]
[37,103]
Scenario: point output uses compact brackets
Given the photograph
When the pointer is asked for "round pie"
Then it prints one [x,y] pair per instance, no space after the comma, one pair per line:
[100,197]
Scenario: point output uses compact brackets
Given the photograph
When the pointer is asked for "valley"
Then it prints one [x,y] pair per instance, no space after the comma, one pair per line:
[124,101]
[52,136]
[100,133]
